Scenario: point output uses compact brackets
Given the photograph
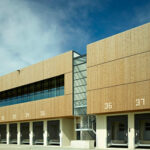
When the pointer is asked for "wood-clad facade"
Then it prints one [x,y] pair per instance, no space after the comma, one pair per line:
[55,107]
[100,99]
[49,68]
[118,74]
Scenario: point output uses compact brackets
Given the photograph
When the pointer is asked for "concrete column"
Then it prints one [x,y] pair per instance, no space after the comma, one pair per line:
[31,133]
[45,133]
[67,131]
[81,132]
[7,130]
[131,131]
[18,134]
[75,133]
[60,134]
[101,131]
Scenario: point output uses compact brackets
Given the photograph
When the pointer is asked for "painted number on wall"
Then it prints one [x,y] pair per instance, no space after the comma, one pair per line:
[27,115]
[14,116]
[108,105]
[42,113]
[2,117]
[140,102]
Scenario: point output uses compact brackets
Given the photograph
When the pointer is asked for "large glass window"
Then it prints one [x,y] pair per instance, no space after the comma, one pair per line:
[39,90]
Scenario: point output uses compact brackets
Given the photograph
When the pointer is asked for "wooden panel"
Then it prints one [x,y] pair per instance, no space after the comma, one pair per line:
[54,107]
[49,68]
[9,80]
[122,71]
[3,114]
[120,45]
[129,97]
[68,83]
[1,85]
[58,65]
[31,74]
[67,110]
[92,78]
[28,111]
[60,106]
[14,112]
[18,112]
[43,109]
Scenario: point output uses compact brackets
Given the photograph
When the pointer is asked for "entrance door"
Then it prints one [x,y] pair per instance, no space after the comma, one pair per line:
[13,133]
[53,129]
[117,128]
[142,130]
[38,133]
[24,129]
[3,133]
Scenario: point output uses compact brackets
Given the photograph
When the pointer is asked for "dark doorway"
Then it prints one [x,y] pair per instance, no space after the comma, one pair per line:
[3,133]
[24,129]
[38,133]
[53,129]
[117,128]
[142,130]
[13,133]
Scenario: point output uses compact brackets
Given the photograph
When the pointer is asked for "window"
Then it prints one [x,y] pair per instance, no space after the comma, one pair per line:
[60,85]
[39,90]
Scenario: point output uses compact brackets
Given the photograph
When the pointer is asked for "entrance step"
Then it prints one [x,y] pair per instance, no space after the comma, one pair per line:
[82,144]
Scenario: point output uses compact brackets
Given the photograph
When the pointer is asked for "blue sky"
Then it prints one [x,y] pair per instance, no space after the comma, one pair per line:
[34,30]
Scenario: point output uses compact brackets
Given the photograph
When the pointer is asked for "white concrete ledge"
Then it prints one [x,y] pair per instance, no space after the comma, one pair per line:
[82,144]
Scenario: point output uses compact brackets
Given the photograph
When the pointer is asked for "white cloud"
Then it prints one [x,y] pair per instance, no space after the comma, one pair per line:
[26,37]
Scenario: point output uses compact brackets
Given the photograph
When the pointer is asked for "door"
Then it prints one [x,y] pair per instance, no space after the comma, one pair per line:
[13,133]
[53,129]
[24,129]
[142,130]
[38,133]
[117,128]
[3,133]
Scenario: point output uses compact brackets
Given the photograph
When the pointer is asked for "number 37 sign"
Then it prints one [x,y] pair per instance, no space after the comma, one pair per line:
[140,102]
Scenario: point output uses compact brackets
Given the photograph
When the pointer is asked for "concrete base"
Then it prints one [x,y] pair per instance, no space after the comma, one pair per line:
[40,147]
[82,144]
[36,147]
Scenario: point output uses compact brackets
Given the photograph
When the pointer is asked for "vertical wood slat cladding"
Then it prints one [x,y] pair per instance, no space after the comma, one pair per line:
[60,106]
[123,98]
[28,111]
[54,107]
[118,72]
[58,65]
[68,83]
[46,69]
[120,45]
[122,71]
[31,74]
[9,80]
[49,108]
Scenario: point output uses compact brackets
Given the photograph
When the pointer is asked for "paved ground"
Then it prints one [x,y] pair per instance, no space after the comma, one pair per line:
[27,147]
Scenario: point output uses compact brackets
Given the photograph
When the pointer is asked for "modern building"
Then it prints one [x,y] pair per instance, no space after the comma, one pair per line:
[101,99]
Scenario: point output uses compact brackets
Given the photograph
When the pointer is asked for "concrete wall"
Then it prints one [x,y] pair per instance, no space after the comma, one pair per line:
[67,131]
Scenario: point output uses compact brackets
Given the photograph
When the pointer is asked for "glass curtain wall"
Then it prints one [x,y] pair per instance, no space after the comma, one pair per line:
[79,85]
